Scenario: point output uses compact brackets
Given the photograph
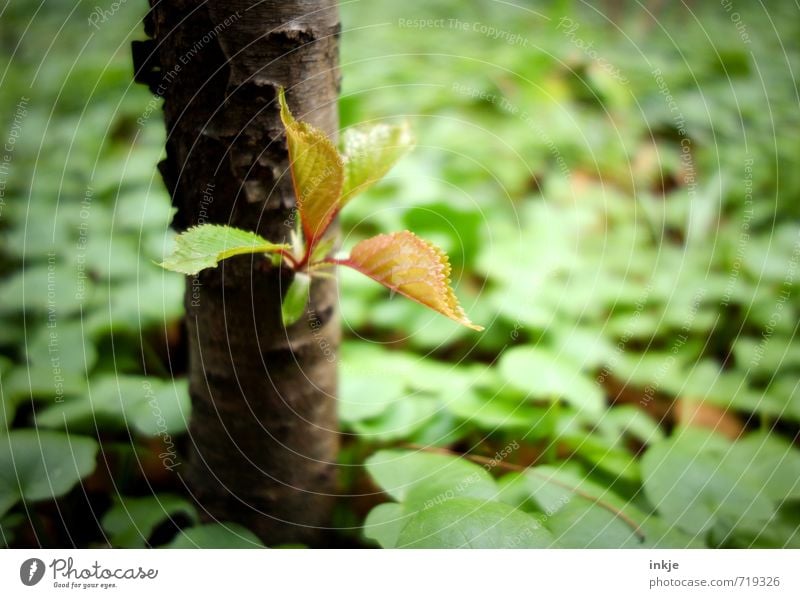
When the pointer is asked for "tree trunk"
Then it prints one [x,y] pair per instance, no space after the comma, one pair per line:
[263,431]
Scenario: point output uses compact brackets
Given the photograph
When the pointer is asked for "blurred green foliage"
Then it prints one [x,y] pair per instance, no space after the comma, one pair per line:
[619,202]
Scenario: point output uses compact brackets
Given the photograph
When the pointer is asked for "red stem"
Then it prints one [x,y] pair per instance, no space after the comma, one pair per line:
[335,262]
[292,260]
[306,256]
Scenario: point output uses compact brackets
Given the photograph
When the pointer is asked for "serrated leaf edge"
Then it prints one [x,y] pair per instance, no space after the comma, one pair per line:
[265,247]
[442,279]
[313,136]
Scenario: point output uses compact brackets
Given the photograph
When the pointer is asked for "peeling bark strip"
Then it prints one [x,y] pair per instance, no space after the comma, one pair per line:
[263,431]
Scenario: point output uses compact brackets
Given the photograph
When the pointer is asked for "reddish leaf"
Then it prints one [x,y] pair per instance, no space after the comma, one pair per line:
[317,173]
[412,267]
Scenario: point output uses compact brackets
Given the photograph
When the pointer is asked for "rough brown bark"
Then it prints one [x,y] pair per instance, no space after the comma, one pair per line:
[263,429]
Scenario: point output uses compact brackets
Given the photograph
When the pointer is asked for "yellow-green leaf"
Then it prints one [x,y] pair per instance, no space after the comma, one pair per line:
[206,245]
[317,173]
[412,267]
[296,298]
[370,152]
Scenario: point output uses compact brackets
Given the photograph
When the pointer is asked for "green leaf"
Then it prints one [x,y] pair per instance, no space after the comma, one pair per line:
[423,330]
[8,404]
[7,526]
[770,460]
[38,465]
[781,399]
[127,309]
[606,455]
[756,355]
[543,375]
[294,302]
[206,245]
[376,381]
[588,346]
[366,392]
[131,521]
[148,405]
[693,485]
[370,152]
[491,410]
[781,531]
[581,524]
[421,478]
[594,515]
[384,524]
[627,419]
[45,288]
[399,421]
[471,523]
[40,380]
[64,348]
[322,250]
[317,173]
[216,535]
[451,225]
[548,488]
[584,524]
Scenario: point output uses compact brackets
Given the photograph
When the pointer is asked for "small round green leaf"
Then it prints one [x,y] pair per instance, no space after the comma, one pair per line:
[37,465]
[422,478]
[544,375]
[471,523]
[131,521]
[216,535]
